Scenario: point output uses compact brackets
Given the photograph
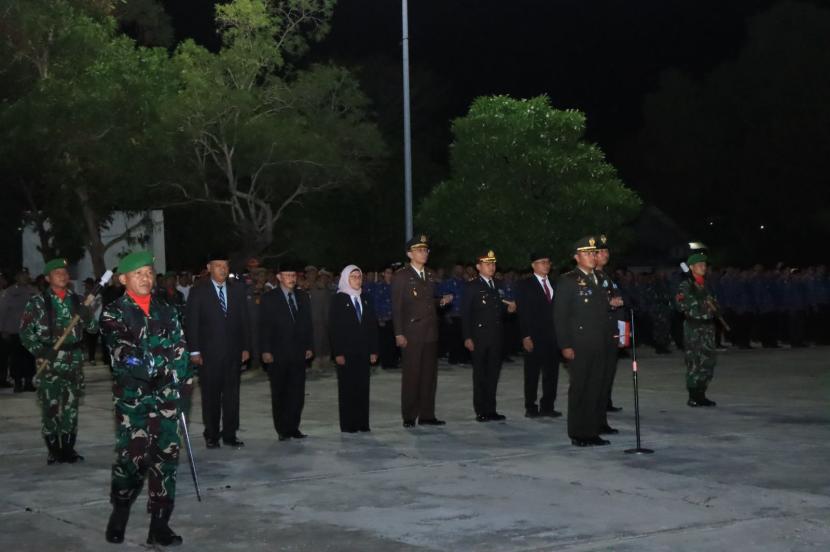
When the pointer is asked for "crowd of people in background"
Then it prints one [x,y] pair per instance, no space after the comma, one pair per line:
[765,307]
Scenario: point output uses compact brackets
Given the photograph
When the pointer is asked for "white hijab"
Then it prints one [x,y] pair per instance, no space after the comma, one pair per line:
[343,286]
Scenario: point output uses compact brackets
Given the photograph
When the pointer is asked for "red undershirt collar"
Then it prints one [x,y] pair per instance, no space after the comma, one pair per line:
[143,301]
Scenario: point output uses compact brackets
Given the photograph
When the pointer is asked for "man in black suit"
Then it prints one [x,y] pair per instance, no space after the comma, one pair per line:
[482,309]
[534,299]
[581,318]
[219,339]
[286,342]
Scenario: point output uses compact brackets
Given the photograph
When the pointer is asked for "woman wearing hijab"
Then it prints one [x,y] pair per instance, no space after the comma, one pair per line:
[353,329]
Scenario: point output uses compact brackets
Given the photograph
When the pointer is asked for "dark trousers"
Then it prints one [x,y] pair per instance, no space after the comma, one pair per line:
[543,360]
[4,359]
[353,393]
[611,357]
[796,327]
[219,382]
[486,358]
[389,353]
[287,395]
[21,361]
[587,373]
[91,342]
[769,329]
[457,353]
[419,379]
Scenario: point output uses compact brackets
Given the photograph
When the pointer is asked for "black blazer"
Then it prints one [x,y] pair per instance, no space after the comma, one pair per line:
[481,310]
[219,339]
[535,312]
[581,312]
[348,336]
[286,338]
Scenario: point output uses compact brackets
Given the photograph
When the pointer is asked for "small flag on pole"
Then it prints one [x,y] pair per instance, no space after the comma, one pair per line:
[624,331]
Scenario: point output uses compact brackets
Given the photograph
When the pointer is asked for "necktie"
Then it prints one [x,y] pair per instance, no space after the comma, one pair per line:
[490,283]
[594,278]
[547,289]
[292,306]
[222,302]
[358,309]
[422,275]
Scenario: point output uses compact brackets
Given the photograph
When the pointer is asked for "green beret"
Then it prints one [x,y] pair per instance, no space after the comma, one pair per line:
[135,260]
[696,258]
[54,264]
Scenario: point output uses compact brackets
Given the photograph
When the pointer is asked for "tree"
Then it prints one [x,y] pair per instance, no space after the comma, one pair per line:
[259,135]
[77,138]
[741,155]
[523,179]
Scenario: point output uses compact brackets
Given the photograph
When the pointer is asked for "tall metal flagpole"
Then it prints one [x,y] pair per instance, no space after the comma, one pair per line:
[407,124]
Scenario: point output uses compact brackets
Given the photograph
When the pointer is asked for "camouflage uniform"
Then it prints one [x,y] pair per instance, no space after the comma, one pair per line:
[152,378]
[698,334]
[44,320]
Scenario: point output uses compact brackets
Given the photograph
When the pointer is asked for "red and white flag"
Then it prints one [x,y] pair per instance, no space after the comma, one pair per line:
[624,331]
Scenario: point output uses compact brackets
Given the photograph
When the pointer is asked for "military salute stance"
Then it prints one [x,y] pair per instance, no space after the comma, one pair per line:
[697,303]
[481,321]
[581,319]
[415,320]
[44,321]
[152,377]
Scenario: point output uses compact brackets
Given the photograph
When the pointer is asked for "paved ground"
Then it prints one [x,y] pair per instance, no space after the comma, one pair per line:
[751,474]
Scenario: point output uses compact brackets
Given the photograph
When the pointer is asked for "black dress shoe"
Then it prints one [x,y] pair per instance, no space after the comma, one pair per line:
[212,443]
[409,423]
[283,436]
[234,442]
[550,413]
[364,430]
[531,413]
[608,430]
[612,408]
[496,417]
[580,443]
[432,421]
[482,418]
[348,431]
[703,401]
[598,441]
[297,434]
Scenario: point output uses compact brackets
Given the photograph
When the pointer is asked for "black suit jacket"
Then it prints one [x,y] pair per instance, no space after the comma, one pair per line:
[218,338]
[581,312]
[348,335]
[285,337]
[481,310]
[535,312]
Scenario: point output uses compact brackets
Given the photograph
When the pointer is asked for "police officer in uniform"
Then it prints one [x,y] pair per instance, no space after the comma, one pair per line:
[615,314]
[482,311]
[580,315]
[415,319]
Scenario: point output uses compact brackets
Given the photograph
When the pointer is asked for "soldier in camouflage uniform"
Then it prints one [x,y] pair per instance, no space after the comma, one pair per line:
[152,378]
[44,320]
[697,304]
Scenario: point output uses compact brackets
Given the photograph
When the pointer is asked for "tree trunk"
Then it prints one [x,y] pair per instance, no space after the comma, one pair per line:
[95,245]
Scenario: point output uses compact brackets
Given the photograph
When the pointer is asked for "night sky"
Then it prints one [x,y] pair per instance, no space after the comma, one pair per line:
[601,57]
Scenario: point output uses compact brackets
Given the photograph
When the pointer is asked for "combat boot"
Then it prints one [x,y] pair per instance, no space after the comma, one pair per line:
[694,398]
[117,525]
[702,400]
[70,456]
[160,532]
[54,447]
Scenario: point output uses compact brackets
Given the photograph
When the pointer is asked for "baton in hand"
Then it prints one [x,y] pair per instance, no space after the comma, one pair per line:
[183,421]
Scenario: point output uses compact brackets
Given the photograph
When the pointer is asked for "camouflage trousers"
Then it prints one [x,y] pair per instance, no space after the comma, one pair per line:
[699,342]
[146,445]
[59,391]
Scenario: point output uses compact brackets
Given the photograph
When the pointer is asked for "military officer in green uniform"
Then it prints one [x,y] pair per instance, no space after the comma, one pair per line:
[697,304]
[580,313]
[482,310]
[152,378]
[44,321]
